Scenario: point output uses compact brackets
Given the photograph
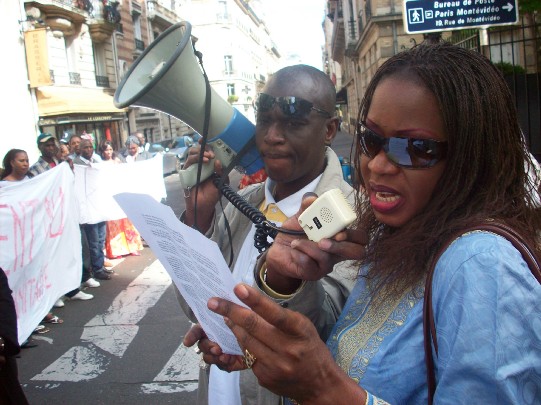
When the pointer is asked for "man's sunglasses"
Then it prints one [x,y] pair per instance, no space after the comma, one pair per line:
[409,153]
[291,106]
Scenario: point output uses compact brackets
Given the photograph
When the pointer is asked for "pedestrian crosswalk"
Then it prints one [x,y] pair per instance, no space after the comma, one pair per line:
[107,337]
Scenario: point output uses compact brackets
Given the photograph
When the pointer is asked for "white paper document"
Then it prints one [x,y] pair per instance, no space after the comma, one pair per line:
[193,261]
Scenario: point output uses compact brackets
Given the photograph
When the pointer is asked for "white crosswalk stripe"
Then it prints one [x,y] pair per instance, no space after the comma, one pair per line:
[183,367]
[111,333]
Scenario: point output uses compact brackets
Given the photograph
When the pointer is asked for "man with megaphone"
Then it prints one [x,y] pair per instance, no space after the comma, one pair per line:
[295,126]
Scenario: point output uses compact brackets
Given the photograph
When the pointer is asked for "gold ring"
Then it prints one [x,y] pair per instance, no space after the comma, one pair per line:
[248,359]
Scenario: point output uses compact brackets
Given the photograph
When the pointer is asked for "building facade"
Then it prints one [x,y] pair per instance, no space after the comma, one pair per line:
[238,51]
[71,67]
[361,34]
[71,56]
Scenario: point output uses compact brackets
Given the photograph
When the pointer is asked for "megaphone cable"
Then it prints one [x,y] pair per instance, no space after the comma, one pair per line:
[264,227]
[206,124]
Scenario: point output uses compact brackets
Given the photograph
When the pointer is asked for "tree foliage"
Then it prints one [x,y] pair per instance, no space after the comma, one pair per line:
[529,6]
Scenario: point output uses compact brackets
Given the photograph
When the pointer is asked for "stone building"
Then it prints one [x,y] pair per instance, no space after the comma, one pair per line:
[361,34]
[69,57]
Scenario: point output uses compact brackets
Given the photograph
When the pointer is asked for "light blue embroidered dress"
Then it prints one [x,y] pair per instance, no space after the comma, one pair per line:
[487,310]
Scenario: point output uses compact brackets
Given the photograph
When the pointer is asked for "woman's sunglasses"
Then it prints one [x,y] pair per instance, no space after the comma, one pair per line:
[409,153]
[294,107]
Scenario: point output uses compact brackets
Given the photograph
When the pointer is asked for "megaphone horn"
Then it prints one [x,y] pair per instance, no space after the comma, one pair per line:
[174,84]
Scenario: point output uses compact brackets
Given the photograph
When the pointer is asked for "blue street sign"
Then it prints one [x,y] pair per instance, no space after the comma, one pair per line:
[429,16]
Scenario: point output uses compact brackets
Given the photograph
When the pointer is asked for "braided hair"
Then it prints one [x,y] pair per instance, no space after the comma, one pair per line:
[486,166]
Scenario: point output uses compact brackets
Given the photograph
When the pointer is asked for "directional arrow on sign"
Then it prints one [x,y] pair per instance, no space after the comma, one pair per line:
[508,7]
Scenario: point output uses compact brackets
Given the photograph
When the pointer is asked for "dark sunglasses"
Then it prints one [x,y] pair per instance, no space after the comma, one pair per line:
[409,153]
[291,106]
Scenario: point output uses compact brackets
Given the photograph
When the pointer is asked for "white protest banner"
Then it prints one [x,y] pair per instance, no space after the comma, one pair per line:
[40,243]
[97,184]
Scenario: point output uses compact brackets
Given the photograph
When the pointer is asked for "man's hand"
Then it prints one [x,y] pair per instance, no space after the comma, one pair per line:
[292,259]
[290,357]
[206,192]
[211,352]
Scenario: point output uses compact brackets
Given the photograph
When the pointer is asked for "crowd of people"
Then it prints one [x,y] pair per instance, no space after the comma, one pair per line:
[342,320]
[101,242]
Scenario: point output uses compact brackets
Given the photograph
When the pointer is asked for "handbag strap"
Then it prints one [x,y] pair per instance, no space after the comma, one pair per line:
[429,327]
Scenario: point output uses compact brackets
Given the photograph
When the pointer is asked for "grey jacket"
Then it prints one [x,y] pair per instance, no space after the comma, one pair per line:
[327,295]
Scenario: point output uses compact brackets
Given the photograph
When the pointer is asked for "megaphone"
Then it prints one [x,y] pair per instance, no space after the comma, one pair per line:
[167,78]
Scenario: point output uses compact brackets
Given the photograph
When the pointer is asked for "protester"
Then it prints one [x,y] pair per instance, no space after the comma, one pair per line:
[294,125]
[16,169]
[95,155]
[440,149]
[47,145]
[15,165]
[11,391]
[62,152]
[95,233]
[121,236]
[107,153]
[133,153]
[144,145]
[74,142]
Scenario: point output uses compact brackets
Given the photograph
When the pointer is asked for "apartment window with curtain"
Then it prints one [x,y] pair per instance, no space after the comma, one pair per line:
[136,25]
[228,60]
[139,45]
[99,64]
[72,55]
[222,10]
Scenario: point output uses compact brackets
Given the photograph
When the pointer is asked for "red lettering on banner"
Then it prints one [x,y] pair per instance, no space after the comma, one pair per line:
[50,206]
[3,237]
[20,227]
[30,292]
[24,215]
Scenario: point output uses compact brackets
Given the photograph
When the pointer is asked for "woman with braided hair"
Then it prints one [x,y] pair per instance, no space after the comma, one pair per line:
[441,157]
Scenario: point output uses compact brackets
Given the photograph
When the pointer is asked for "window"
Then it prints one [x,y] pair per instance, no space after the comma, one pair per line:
[228,60]
[99,63]
[230,89]
[99,59]
[137,26]
[222,10]
[72,56]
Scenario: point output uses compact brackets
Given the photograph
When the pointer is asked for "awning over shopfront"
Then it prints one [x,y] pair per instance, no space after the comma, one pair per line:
[53,101]
[342,96]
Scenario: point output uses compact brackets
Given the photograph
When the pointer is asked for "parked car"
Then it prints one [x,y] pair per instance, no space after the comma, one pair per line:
[178,149]
[169,160]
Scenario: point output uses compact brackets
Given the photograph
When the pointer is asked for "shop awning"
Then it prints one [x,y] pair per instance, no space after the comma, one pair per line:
[53,100]
[342,96]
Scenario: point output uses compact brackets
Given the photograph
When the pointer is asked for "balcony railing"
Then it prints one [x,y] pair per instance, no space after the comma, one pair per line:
[352,29]
[139,45]
[102,81]
[75,78]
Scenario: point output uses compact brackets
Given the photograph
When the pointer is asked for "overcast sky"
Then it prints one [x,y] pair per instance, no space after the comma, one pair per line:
[295,26]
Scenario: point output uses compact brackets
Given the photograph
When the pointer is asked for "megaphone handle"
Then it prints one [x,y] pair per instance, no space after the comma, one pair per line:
[222,152]
[188,177]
